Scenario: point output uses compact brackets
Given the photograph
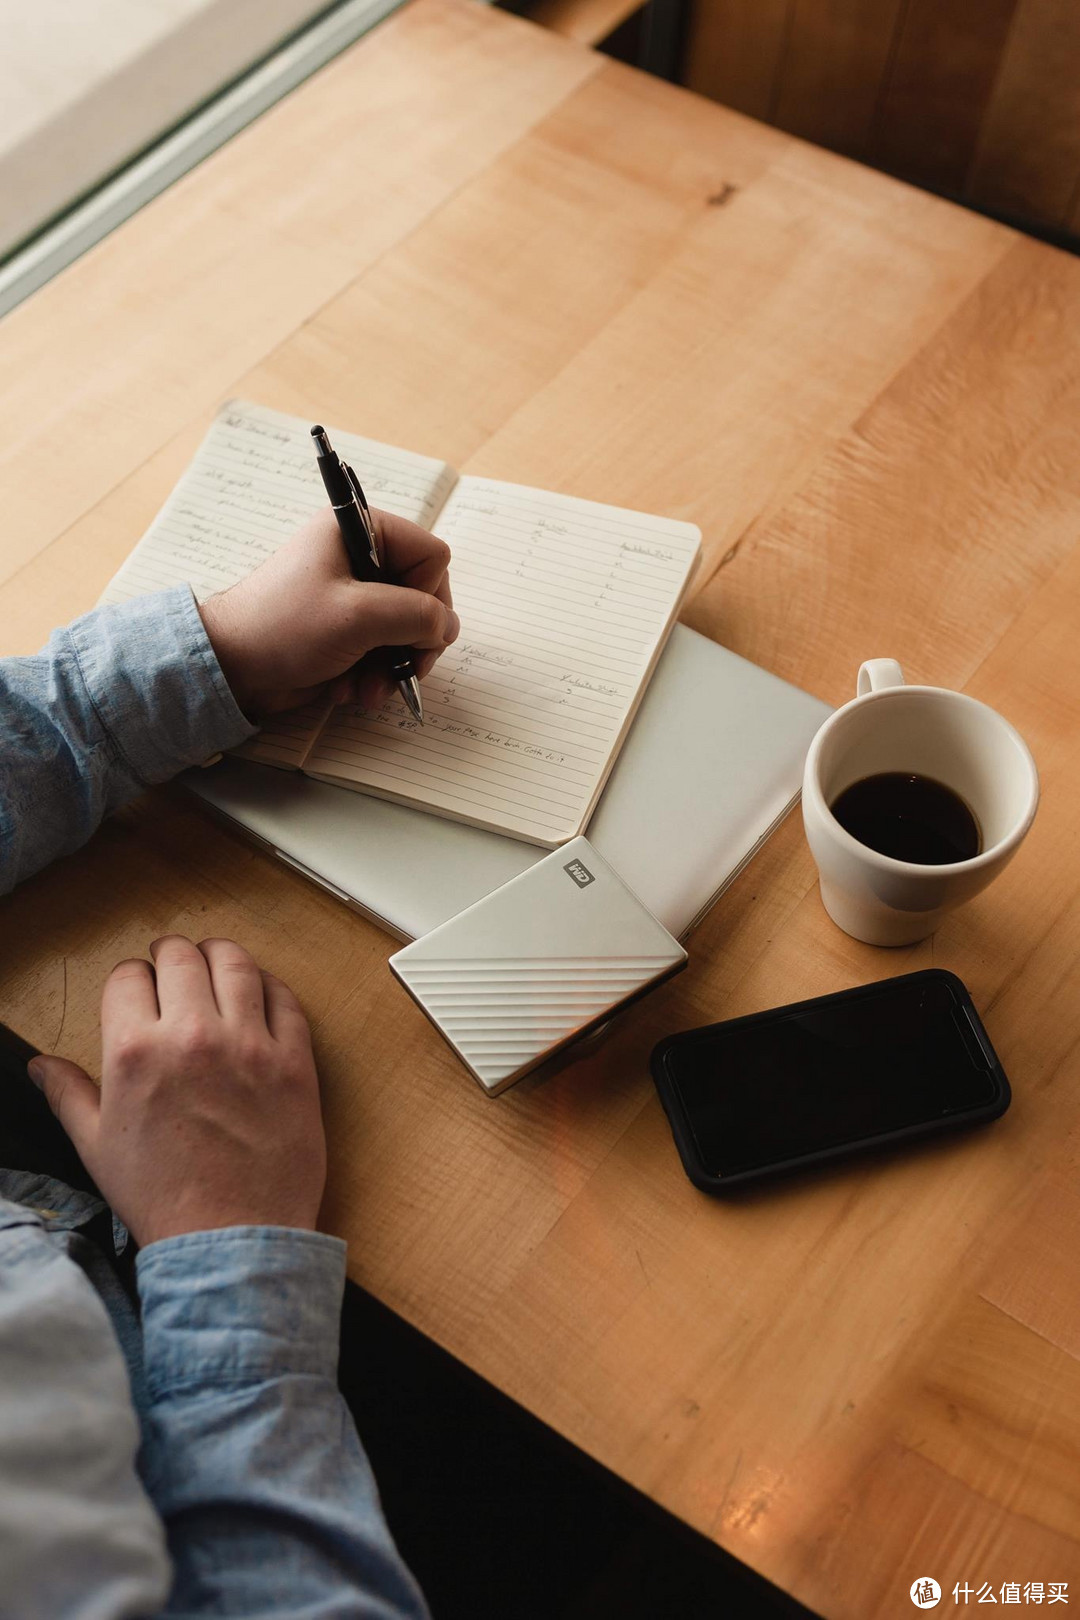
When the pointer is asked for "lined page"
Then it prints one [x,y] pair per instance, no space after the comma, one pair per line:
[252,482]
[286,739]
[565,606]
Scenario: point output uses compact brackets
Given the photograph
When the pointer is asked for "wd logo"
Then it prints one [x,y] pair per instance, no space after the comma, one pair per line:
[580,874]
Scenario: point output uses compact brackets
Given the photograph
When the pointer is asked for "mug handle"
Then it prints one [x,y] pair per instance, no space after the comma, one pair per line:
[878,673]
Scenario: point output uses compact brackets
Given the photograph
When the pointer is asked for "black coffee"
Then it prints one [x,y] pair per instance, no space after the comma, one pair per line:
[911,818]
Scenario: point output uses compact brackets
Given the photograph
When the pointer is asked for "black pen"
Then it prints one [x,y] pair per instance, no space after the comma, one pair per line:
[358,536]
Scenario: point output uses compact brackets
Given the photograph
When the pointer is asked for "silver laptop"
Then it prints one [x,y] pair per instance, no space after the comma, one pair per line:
[712,765]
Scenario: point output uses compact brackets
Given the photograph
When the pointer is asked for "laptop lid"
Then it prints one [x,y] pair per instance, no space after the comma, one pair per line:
[712,764]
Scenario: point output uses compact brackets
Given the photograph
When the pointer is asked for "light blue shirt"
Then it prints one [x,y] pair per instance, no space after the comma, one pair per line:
[200,1461]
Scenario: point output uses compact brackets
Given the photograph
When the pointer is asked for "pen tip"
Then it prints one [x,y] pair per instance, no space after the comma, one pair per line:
[410,692]
[316,432]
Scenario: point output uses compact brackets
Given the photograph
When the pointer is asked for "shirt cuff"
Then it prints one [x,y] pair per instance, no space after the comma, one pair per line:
[155,683]
[239,1305]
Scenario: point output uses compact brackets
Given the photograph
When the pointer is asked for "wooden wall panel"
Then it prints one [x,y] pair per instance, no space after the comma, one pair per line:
[1028,156]
[836,59]
[938,88]
[735,52]
[977,99]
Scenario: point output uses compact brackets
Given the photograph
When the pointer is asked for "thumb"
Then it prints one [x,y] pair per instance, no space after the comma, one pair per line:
[72,1096]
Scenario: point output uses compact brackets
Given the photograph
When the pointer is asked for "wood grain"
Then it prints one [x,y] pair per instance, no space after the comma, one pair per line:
[869,400]
[586,21]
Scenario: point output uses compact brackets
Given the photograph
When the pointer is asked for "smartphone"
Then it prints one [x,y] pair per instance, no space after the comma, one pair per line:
[820,1080]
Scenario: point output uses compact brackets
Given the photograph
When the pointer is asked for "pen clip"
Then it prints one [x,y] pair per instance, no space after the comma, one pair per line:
[360,500]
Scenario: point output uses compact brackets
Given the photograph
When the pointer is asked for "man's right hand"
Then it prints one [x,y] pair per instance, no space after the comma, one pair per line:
[301,628]
[208,1113]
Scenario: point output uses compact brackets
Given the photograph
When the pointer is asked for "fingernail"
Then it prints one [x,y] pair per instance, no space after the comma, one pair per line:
[453,627]
[36,1070]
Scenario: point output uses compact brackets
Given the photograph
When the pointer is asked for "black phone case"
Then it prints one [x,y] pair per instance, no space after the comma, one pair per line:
[666,1052]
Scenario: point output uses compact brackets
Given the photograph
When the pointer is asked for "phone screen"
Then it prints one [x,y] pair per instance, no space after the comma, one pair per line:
[803,1080]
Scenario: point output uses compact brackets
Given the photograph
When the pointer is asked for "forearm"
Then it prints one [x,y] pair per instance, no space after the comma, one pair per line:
[250,1454]
[122,698]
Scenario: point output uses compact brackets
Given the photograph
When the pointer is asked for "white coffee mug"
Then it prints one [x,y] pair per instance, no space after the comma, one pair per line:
[928,731]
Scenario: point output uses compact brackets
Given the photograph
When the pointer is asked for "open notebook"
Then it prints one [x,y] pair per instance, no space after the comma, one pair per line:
[565,607]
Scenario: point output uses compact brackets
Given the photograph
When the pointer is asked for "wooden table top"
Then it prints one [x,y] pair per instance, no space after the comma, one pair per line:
[546,267]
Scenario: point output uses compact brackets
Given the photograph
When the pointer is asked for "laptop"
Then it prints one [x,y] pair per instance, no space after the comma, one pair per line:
[712,765]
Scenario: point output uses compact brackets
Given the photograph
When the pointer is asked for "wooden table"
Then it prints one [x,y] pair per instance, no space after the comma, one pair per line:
[539,264]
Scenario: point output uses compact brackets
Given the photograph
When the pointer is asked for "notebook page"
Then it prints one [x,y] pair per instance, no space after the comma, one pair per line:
[286,739]
[252,482]
[565,606]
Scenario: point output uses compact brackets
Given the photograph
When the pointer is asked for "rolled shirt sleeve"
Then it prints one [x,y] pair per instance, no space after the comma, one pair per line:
[124,697]
[249,1452]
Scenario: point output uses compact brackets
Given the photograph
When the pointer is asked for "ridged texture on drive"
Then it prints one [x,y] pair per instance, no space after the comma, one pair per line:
[501,1014]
